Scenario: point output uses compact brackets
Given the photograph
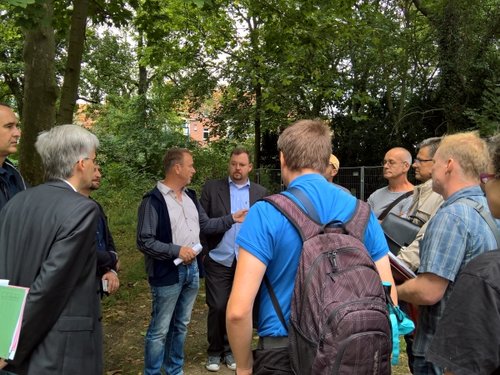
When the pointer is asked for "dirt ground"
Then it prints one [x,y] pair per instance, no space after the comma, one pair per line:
[125,324]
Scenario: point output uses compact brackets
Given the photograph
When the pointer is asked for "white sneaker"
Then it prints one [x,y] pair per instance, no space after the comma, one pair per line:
[213,364]
[230,362]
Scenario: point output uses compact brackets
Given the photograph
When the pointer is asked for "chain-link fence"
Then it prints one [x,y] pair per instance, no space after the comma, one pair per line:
[361,181]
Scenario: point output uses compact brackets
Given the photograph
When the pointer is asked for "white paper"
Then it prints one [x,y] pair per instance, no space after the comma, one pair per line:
[197,249]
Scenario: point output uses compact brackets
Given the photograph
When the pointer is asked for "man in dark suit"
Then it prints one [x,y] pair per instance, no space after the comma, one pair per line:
[219,198]
[47,243]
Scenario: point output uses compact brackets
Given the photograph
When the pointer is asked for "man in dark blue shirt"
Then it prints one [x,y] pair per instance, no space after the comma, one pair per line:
[107,257]
[11,181]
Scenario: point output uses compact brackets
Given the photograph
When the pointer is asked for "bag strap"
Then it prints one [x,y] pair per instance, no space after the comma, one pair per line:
[393,203]
[485,215]
[306,202]
[275,302]
[356,225]
[306,226]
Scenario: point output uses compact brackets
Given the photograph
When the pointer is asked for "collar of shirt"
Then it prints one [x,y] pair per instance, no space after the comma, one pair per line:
[307,177]
[466,192]
[165,190]
[72,187]
[231,182]
[424,187]
[5,168]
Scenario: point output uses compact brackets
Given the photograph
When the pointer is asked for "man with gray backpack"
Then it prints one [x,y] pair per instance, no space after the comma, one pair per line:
[318,257]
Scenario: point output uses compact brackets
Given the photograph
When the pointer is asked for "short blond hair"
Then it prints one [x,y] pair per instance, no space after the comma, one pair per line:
[306,144]
[468,149]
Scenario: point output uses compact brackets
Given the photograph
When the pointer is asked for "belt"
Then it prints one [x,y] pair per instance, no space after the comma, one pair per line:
[272,342]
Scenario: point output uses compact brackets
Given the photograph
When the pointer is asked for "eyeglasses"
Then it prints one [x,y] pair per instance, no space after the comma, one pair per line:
[391,162]
[419,161]
[94,160]
[485,177]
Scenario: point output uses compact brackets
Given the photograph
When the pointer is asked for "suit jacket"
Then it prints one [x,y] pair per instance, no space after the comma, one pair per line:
[47,243]
[216,200]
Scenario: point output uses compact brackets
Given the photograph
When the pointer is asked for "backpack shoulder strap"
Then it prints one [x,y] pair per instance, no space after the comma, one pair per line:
[356,226]
[306,202]
[393,203]
[306,227]
[485,215]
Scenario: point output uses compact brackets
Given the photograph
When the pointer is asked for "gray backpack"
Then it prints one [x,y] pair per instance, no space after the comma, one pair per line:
[339,321]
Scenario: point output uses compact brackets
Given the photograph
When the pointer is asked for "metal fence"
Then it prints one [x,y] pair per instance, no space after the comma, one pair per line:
[361,181]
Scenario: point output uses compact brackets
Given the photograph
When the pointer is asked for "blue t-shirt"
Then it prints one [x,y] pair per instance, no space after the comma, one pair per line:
[271,238]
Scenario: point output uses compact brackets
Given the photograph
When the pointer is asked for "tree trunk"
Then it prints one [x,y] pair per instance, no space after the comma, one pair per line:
[143,73]
[69,90]
[451,88]
[40,91]
[448,24]
[257,123]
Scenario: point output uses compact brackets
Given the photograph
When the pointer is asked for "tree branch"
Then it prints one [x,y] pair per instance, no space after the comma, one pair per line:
[88,100]
[421,8]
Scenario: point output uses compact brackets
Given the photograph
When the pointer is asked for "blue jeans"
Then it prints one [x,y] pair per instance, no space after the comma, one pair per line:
[170,315]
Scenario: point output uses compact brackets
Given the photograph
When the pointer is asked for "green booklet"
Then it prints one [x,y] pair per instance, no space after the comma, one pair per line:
[12,301]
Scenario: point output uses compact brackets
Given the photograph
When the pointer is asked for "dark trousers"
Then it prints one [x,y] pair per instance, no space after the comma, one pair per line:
[271,358]
[408,338]
[218,283]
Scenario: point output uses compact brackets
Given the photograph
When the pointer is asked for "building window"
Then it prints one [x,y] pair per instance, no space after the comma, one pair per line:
[185,129]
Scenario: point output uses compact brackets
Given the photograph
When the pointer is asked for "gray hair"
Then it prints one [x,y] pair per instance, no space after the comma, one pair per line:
[63,146]
[432,143]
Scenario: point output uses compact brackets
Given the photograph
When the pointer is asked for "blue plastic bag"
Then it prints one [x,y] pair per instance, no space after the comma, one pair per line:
[401,324]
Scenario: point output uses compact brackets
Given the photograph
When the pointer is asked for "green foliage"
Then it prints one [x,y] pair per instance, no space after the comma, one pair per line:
[379,72]
[20,3]
[109,67]
[487,117]
[134,137]
[11,62]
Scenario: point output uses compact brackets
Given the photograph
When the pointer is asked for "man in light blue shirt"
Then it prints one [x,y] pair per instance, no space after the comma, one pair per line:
[454,236]
[219,198]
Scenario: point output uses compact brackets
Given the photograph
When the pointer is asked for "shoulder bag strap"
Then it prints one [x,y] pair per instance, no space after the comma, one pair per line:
[393,203]
[485,215]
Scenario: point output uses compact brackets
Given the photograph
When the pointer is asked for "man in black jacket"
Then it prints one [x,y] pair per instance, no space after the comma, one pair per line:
[11,181]
[219,198]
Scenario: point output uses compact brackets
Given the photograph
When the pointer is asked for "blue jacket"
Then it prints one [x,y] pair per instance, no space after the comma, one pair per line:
[11,182]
